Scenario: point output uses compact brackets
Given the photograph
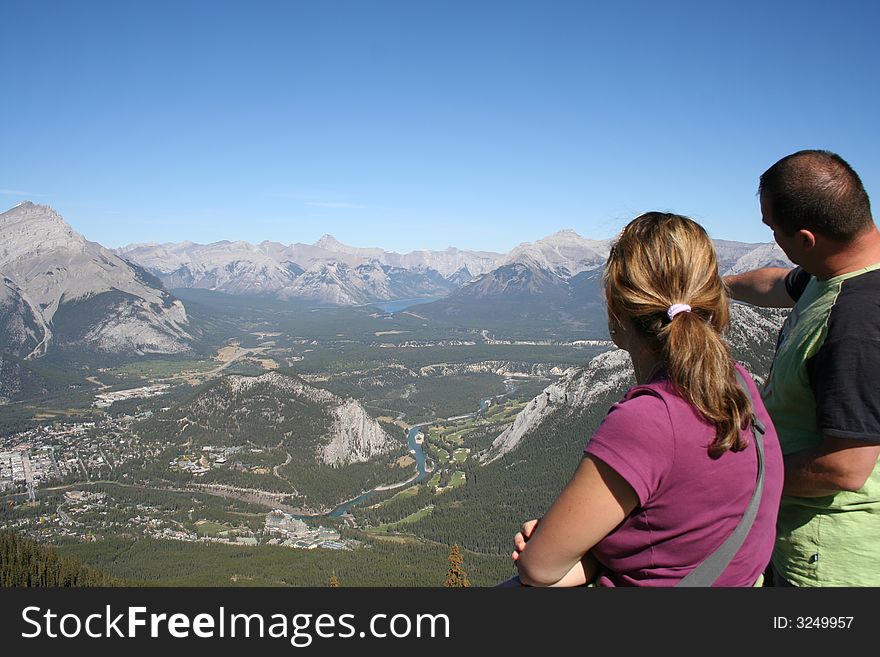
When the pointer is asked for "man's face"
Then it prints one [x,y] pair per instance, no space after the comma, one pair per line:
[788,243]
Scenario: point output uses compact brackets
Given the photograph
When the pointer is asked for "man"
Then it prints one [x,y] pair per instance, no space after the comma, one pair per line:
[823,392]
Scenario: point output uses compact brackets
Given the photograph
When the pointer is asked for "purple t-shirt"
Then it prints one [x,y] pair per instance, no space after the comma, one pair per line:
[689,503]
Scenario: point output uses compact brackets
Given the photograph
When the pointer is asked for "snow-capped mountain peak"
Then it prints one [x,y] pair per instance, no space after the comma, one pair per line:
[330,243]
[565,253]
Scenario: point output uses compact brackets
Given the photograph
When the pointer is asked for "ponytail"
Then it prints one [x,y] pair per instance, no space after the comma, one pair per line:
[701,368]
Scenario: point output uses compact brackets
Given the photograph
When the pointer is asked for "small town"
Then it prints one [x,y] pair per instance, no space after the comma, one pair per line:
[69,450]
[68,459]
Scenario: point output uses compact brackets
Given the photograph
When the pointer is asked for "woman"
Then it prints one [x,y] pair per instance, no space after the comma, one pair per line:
[670,471]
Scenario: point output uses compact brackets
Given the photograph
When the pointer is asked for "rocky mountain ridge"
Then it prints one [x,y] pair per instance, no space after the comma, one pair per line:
[60,289]
[350,435]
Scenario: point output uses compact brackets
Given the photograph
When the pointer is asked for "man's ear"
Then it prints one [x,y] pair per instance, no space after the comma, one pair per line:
[807,239]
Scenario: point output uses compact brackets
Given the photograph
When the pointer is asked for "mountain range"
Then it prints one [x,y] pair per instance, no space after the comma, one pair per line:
[326,272]
[330,272]
[58,289]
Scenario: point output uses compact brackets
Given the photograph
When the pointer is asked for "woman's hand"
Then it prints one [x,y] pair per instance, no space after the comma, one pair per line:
[519,541]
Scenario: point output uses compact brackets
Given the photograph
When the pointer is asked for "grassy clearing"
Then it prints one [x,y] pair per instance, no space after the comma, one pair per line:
[505,412]
[163,368]
[460,455]
[47,415]
[394,538]
[413,517]
[407,492]
[456,434]
[457,438]
[458,479]
[209,528]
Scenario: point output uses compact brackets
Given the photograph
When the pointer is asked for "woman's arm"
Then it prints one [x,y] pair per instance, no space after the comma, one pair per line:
[594,502]
[583,572]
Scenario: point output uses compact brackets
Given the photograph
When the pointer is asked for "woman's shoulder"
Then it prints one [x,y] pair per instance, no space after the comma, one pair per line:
[636,439]
[642,405]
[655,392]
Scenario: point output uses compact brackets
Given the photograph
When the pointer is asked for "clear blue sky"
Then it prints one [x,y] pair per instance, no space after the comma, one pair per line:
[423,123]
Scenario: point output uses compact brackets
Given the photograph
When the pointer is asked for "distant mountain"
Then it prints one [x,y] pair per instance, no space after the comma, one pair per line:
[326,272]
[555,284]
[330,272]
[520,294]
[63,292]
[344,285]
[564,253]
[514,281]
[526,297]
[763,255]
[447,262]
[327,447]
[461,277]
[231,267]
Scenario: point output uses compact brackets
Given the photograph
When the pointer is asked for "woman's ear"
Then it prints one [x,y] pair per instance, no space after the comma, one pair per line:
[617,331]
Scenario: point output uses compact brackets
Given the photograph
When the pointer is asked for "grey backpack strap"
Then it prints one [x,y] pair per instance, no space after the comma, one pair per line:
[711,568]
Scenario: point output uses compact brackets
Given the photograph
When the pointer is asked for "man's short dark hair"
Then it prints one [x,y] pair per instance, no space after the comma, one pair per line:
[818,191]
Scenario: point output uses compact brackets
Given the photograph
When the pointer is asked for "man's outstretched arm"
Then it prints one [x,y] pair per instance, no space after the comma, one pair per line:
[761,287]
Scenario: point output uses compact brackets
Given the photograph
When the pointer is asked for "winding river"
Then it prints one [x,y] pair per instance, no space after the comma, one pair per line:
[415,448]
[418,451]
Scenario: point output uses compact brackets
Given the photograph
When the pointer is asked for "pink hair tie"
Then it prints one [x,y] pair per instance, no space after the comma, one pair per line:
[676,308]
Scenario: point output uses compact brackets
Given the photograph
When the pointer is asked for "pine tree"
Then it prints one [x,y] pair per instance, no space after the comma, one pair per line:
[456,576]
[24,562]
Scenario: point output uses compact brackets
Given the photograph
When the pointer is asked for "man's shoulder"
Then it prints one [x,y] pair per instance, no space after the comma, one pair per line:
[858,304]
[857,294]
[864,283]
[859,298]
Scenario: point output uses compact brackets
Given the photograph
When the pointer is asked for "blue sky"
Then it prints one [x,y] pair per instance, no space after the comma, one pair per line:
[423,124]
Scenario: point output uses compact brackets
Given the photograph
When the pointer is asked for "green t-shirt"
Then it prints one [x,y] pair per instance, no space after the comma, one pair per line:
[826,381]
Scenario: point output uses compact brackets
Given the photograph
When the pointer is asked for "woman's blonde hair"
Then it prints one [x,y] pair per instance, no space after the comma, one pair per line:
[664,259]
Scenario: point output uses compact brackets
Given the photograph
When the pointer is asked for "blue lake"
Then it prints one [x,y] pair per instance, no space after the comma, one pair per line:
[401,304]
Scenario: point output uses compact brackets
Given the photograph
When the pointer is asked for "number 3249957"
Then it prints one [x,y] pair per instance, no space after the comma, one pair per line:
[813,622]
